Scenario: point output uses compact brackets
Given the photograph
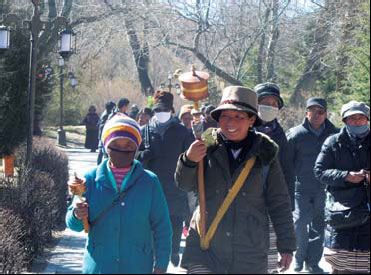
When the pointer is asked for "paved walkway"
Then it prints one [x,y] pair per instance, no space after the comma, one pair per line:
[66,258]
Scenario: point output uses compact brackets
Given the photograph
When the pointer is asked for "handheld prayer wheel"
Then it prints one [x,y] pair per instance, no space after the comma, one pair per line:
[78,188]
[194,86]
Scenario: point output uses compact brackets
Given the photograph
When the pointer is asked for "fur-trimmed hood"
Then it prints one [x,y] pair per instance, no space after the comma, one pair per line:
[263,146]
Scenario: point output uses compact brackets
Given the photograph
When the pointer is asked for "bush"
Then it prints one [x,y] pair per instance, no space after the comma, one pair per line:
[32,205]
[47,158]
[12,253]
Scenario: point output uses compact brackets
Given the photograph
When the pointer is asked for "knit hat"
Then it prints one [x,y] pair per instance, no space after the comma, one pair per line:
[240,99]
[163,100]
[269,89]
[354,107]
[209,109]
[317,101]
[121,126]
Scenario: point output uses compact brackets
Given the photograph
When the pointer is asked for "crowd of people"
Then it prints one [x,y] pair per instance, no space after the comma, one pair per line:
[271,196]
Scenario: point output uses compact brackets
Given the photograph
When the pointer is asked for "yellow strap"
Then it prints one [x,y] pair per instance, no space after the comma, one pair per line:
[205,242]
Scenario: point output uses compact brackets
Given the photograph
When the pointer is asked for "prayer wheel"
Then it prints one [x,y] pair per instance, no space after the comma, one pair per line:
[194,85]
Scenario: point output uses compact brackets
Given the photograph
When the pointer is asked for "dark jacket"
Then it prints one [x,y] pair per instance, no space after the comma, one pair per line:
[241,242]
[277,134]
[304,148]
[339,156]
[92,131]
[161,158]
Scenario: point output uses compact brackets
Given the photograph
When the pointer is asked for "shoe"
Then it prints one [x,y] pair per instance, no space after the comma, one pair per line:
[314,269]
[175,259]
[298,267]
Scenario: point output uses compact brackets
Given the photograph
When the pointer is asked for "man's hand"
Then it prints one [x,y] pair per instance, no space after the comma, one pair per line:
[285,262]
[197,151]
[356,177]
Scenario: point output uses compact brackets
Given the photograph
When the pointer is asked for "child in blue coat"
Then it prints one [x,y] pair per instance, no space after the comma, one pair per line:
[133,236]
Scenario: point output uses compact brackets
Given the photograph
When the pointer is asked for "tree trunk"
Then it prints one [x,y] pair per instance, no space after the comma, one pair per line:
[271,76]
[261,53]
[140,54]
[342,61]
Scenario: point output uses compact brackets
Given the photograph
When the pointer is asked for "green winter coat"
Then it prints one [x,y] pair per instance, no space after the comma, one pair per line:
[241,242]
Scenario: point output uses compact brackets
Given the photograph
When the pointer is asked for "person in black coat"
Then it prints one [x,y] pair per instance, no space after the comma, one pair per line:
[270,103]
[344,167]
[92,131]
[164,140]
[305,142]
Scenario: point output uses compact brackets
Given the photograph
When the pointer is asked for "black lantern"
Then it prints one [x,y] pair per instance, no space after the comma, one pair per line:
[4,38]
[66,43]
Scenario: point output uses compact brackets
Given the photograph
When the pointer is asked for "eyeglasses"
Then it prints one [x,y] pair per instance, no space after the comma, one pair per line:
[360,119]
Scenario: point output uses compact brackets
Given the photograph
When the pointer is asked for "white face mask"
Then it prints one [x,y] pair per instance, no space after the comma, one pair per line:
[268,113]
[163,117]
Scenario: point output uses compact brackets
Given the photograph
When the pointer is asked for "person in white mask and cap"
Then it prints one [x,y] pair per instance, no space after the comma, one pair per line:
[164,140]
[270,103]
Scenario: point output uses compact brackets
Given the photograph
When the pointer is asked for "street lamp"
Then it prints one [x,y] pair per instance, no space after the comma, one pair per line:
[65,51]
[4,38]
[73,81]
[35,26]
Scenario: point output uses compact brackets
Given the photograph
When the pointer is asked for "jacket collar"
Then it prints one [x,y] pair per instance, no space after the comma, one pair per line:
[329,127]
[263,148]
[344,139]
[102,177]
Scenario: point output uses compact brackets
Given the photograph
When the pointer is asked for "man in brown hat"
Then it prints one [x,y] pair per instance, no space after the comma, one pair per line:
[237,238]
[164,139]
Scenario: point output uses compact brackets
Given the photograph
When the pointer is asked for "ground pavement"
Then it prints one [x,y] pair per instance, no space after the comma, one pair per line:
[66,258]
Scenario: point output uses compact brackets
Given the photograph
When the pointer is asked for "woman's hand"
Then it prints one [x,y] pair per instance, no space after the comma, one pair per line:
[356,177]
[197,151]
[81,210]
[285,262]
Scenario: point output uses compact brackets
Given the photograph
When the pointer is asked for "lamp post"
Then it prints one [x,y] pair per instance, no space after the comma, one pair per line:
[170,83]
[65,51]
[35,25]
[61,133]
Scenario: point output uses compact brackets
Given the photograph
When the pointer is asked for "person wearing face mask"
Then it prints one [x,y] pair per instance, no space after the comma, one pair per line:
[270,103]
[305,142]
[130,230]
[164,140]
[234,156]
[344,167]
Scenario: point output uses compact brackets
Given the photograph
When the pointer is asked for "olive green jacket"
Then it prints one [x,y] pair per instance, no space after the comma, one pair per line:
[241,242]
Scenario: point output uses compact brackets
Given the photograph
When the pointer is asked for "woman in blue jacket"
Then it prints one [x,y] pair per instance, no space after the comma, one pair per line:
[134,235]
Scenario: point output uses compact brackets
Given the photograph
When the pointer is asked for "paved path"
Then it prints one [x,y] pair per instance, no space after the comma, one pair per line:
[66,258]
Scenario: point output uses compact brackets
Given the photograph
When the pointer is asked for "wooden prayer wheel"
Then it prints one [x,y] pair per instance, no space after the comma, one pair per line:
[194,85]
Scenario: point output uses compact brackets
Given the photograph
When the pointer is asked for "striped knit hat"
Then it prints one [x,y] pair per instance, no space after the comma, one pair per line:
[121,126]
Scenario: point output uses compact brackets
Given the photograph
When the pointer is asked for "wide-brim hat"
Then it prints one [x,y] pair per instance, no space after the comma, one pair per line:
[353,108]
[238,98]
